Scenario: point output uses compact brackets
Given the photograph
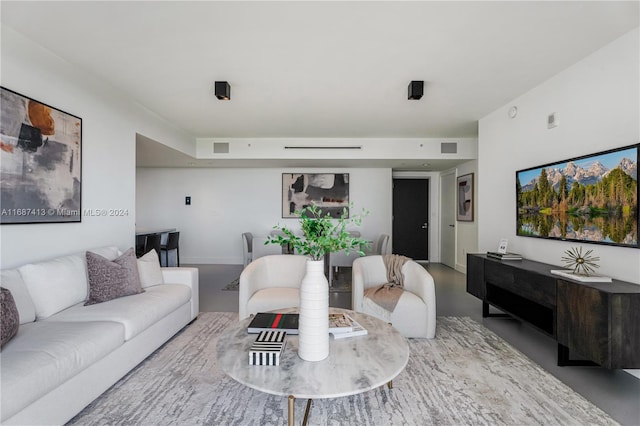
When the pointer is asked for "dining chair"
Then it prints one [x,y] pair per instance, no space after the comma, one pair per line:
[172,244]
[152,242]
[247,248]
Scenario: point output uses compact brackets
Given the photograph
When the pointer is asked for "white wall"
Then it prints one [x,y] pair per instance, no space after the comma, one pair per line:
[227,202]
[597,102]
[371,149]
[109,126]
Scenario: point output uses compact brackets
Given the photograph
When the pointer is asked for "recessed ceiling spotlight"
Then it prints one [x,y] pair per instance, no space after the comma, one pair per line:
[223,90]
[416,89]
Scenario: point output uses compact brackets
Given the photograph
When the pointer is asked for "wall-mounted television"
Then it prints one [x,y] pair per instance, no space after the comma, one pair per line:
[589,199]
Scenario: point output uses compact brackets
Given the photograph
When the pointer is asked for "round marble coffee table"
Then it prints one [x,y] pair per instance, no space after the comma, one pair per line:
[354,365]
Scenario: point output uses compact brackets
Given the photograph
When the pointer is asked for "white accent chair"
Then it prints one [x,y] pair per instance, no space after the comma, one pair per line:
[415,313]
[269,283]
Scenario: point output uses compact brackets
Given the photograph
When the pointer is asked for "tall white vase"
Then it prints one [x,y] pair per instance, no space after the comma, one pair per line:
[313,325]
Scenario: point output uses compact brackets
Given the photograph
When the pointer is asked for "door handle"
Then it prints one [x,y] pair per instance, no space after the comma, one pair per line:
[425,225]
[453,226]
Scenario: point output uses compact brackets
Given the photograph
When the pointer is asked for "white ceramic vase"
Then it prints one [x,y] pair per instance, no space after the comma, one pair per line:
[313,325]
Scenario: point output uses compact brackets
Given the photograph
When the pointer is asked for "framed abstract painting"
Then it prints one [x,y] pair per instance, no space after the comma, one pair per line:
[464,198]
[328,191]
[40,162]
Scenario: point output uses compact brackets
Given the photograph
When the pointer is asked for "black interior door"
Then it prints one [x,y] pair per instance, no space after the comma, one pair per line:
[411,218]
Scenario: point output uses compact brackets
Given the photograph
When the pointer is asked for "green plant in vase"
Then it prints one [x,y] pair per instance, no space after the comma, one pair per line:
[322,234]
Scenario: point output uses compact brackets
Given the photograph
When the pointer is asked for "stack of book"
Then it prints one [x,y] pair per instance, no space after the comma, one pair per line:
[351,327]
[267,348]
[265,321]
[340,325]
[504,256]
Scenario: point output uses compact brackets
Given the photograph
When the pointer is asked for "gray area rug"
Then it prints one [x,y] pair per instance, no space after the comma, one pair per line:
[467,375]
[341,281]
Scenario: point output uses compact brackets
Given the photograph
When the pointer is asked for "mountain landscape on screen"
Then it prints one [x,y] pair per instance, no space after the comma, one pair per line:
[592,199]
[592,175]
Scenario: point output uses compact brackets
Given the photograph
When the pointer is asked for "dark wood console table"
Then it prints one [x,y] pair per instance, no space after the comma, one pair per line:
[598,321]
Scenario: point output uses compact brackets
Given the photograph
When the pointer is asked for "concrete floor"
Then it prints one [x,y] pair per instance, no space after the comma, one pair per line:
[614,391]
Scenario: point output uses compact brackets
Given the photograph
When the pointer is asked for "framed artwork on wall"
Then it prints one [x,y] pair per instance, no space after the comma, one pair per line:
[40,162]
[464,198]
[328,191]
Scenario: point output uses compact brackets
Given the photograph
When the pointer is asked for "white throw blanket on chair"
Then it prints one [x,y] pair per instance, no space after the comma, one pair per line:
[382,300]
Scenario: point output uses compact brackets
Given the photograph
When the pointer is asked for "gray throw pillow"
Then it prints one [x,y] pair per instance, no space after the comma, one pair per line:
[9,317]
[110,279]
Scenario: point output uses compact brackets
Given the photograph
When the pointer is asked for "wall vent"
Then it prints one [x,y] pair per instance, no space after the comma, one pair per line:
[322,147]
[449,148]
[221,147]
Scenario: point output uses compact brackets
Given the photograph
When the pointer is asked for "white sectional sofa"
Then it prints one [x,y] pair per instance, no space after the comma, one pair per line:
[66,354]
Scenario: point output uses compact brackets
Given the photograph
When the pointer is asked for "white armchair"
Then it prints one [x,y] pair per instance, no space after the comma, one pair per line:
[415,313]
[269,283]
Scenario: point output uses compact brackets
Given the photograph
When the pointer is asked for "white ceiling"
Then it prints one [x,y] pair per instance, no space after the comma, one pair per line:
[323,69]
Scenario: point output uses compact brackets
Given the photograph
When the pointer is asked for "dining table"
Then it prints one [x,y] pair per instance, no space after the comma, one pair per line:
[143,232]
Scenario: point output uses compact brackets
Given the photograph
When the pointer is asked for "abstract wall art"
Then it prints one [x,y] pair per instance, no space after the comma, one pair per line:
[40,162]
[329,191]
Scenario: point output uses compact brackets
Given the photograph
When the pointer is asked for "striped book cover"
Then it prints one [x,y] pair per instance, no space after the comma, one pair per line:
[267,348]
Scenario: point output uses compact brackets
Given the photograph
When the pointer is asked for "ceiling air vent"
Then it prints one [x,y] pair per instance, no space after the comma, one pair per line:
[322,147]
[221,147]
[448,148]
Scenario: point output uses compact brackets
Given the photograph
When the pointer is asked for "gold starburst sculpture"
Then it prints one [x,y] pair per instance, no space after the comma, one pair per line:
[581,264]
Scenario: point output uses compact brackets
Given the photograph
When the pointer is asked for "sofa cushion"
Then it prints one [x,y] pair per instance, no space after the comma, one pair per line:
[56,285]
[9,317]
[110,252]
[110,279]
[149,269]
[12,280]
[45,354]
[273,298]
[136,313]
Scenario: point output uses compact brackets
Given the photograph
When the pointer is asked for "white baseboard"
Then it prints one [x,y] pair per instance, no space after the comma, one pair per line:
[461,268]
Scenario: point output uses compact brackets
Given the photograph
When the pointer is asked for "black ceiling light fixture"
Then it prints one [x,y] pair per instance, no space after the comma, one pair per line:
[416,88]
[223,90]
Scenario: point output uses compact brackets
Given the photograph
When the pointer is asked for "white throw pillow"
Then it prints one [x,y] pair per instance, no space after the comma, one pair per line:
[56,285]
[12,280]
[109,253]
[149,270]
